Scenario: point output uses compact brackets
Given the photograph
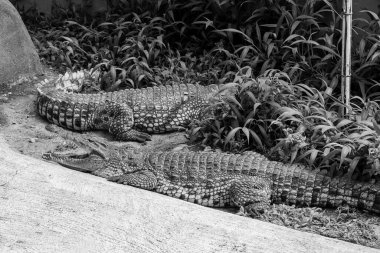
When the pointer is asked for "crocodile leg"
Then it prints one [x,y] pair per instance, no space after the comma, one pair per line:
[252,194]
[144,179]
[118,119]
[132,135]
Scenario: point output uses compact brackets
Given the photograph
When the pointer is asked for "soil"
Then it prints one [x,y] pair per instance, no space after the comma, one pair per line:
[27,133]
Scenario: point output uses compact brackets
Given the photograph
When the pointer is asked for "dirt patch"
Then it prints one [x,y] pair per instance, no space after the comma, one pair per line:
[26,132]
[21,126]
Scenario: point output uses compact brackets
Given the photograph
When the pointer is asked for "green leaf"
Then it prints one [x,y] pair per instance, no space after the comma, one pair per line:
[376,126]
[305,88]
[344,122]
[256,138]
[270,48]
[281,143]
[232,30]
[232,100]
[327,49]
[313,156]
[373,15]
[294,155]
[294,26]
[345,151]
[246,132]
[258,33]
[375,56]
[320,118]
[329,155]
[228,86]
[231,135]
[292,37]
[353,165]
[106,24]
[372,51]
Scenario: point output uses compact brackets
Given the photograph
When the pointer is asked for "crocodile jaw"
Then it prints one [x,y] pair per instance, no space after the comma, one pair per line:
[87,162]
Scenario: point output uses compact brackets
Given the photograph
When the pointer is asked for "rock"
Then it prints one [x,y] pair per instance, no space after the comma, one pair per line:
[18,56]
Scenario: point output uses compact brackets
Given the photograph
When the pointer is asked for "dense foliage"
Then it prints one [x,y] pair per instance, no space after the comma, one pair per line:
[295,123]
[208,41]
[293,114]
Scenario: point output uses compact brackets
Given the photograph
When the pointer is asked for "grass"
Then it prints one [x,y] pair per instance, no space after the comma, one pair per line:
[348,225]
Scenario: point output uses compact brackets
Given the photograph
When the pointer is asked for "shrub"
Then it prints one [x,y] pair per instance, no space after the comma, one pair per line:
[295,123]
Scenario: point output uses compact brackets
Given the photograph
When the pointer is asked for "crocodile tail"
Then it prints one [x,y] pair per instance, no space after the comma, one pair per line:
[303,187]
[364,196]
[65,109]
[295,184]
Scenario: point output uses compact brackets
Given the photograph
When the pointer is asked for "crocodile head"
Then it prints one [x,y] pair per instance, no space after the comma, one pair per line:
[97,158]
[79,155]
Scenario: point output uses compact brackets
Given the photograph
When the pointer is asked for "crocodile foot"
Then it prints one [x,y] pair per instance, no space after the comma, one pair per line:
[143,179]
[133,135]
[178,128]
[252,210]
[251,194]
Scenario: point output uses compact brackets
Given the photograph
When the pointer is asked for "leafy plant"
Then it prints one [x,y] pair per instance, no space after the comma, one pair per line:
[295,123]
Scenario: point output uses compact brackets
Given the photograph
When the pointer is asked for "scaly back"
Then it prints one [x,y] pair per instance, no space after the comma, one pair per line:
[75,111]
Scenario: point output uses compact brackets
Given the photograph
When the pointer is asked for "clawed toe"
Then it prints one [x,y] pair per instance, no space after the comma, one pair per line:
[142,137]
[250,211]
[116,179]
[178,128]
[133,135]
[242,212]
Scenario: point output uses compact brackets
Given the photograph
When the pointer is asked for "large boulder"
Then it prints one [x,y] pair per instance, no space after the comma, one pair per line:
[18,56]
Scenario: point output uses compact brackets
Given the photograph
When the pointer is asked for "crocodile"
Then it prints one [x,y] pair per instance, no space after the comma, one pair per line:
[129,115]
[248,181]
